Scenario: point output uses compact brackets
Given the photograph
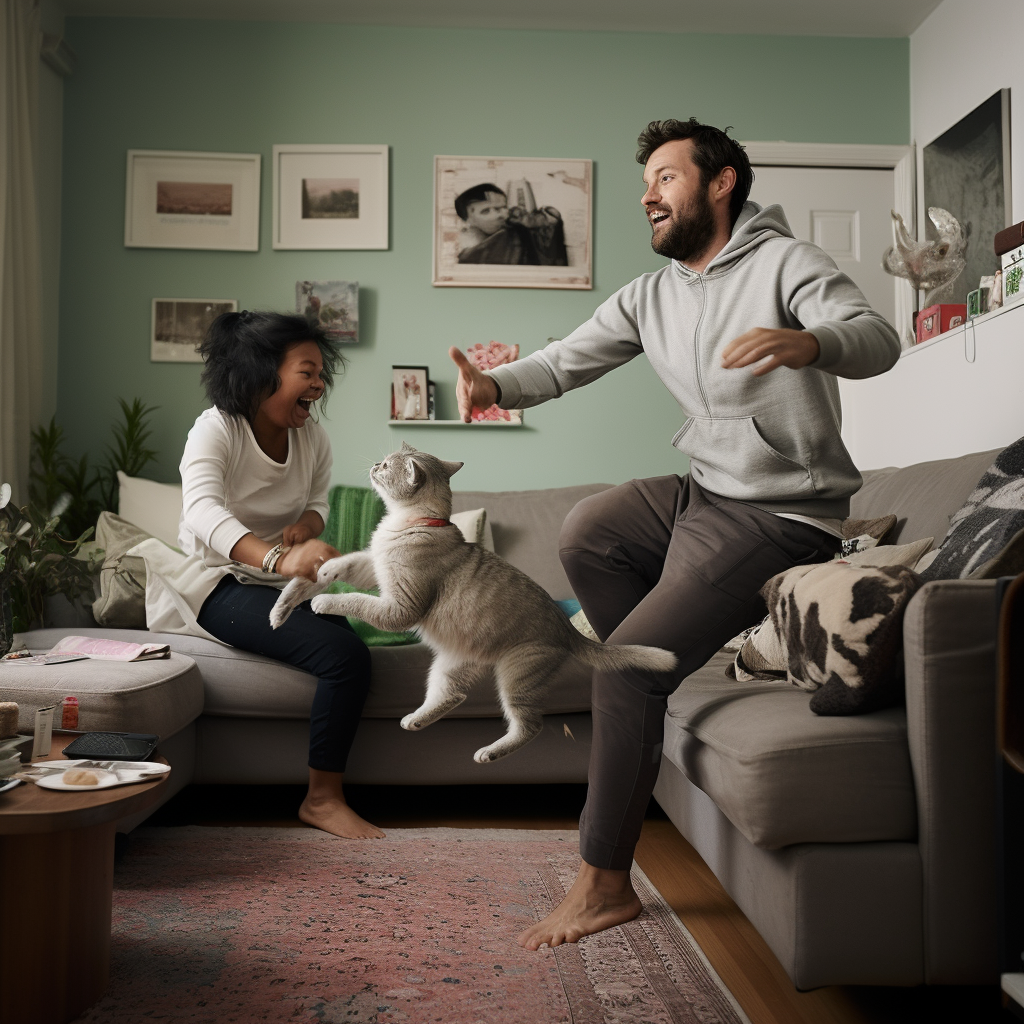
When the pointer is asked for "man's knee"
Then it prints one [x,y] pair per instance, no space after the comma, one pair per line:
[586,522]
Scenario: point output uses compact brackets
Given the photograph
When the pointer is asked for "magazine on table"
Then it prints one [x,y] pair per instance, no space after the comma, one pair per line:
[76,648]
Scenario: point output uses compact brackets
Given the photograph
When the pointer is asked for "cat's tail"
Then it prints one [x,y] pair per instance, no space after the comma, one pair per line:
[620,656]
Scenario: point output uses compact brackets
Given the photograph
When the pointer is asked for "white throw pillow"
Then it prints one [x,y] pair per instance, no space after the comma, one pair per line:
[475,527]
[153,507]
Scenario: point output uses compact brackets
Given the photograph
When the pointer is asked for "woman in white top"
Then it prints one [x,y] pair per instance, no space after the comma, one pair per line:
[255,474]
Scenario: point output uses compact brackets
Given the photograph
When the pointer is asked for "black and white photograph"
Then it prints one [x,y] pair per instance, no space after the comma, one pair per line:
[511,222]
[410,393]
[334,305]
[179,326]
[966,171]
[184,200]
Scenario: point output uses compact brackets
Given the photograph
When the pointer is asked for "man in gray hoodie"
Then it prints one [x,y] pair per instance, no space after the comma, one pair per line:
[748,328]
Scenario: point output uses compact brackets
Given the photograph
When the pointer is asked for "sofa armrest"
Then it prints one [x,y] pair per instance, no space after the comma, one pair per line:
[949,638]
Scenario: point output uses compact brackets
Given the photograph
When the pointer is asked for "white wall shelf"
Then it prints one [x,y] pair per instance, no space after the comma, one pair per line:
[453,423]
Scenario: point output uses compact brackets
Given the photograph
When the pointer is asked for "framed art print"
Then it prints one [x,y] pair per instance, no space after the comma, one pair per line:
[410,393]
[179,326]
[512,222]
[330,197]
[177,200]
[334,305]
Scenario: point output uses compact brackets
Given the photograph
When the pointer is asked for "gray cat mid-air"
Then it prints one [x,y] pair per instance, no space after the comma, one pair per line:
[473,609]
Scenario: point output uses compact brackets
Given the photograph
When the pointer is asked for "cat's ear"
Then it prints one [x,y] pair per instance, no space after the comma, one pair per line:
[451,468]
[416,474]
[406,448]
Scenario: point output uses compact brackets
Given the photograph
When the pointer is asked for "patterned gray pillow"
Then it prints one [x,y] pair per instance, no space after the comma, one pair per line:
[986,536]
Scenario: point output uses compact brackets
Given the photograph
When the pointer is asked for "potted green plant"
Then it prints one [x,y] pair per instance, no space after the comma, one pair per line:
[35,562]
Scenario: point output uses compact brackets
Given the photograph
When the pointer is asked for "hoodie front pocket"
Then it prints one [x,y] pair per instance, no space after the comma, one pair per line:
[730,457]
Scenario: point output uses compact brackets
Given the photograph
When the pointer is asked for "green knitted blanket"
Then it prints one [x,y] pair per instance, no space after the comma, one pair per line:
[354,515]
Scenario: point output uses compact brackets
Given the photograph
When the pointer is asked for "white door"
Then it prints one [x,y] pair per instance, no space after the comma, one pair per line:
[843,210]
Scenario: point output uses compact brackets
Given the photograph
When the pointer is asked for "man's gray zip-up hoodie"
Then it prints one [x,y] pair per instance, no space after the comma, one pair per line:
[773,441]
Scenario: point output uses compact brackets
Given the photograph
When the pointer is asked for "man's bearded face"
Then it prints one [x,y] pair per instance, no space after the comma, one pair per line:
[683,231]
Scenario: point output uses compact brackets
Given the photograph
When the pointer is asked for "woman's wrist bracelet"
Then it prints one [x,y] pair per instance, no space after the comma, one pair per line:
[271,558]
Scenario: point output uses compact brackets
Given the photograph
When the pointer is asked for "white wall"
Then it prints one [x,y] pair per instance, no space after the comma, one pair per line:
[964,52]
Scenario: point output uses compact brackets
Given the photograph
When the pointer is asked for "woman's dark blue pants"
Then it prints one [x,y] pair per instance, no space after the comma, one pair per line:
[324,645]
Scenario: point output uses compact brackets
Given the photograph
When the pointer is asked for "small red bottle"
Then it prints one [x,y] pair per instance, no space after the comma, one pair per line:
[69,716]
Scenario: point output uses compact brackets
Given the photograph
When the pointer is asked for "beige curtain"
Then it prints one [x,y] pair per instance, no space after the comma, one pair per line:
[21,369]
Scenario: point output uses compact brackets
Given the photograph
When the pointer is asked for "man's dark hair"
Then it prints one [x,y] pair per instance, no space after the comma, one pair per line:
[713,151]
[242,352]
[476,194]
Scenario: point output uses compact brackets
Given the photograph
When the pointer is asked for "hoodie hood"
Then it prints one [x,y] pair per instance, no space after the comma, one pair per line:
[755,224]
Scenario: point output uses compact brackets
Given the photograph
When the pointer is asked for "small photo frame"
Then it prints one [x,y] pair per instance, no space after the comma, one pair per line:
[512,222]
[180,200]
[410,393]
[334,305]
[330,197]
[179,326]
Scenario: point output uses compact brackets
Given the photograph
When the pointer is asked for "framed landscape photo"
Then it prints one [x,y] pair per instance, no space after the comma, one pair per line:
[410,393]
[179,325]
[334,305]
[512,222]
[330,197]
[178,200]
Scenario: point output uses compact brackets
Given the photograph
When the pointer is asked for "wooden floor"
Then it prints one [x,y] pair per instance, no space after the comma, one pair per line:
[727,938]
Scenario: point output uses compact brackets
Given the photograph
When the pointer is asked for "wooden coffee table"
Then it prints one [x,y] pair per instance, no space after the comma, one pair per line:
[56,886]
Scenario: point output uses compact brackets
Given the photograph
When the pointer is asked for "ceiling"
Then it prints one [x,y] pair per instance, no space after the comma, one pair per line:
[892,18]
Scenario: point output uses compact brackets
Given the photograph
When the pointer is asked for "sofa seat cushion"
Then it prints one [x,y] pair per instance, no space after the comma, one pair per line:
[161,696]
[784,775]
[238,684]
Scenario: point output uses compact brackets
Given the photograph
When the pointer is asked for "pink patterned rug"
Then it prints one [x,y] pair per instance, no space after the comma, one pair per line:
[291,925]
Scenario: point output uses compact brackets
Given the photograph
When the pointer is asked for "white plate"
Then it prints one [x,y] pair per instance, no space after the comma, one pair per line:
[7,784]
[125,774]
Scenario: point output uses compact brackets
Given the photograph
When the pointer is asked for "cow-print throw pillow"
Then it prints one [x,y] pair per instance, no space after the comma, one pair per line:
[986,537]
[841,627]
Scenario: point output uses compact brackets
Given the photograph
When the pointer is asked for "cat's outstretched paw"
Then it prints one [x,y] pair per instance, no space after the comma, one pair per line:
[322,604]
[297,591]
[412,723]
[485,755]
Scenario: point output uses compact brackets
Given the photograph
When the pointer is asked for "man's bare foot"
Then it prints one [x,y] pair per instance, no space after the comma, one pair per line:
[599,898]
[336,817]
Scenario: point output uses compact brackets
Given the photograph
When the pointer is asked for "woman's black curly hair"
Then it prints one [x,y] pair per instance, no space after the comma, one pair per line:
[242,352]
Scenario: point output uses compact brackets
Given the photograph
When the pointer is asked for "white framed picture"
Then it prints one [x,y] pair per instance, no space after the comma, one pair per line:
[179,326]
[512,222]
[330,197]
[178,200]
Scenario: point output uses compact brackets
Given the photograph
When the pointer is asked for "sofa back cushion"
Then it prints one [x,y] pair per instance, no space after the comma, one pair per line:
[526,525]
[923,496]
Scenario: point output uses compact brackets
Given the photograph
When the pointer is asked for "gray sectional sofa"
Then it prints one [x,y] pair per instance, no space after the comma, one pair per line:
[861,848]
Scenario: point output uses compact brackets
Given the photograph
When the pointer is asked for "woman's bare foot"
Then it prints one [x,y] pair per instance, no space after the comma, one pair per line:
[336,817]
[599,898]
[325,807]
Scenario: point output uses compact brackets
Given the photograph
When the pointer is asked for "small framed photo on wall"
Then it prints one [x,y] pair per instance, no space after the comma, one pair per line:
[330,197]
[512,222]
[179,326]
[178,200]
[410,393]
[334,305]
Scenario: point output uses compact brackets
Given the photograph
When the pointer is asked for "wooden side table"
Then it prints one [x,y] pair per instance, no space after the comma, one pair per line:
[56,887]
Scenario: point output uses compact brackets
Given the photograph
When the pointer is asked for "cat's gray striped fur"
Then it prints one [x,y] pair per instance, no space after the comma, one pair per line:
[469,605]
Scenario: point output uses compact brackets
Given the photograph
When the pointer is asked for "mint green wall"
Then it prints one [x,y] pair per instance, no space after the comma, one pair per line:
[237,86]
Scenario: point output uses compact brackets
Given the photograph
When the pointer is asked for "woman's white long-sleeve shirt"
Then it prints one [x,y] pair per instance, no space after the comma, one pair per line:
[230,487]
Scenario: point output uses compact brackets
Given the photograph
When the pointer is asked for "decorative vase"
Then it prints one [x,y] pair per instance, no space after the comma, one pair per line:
[6,620]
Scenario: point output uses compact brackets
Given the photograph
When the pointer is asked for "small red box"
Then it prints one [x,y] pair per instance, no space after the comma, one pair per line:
[936,320]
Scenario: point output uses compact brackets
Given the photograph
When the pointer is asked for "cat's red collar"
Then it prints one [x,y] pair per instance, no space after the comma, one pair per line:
[431,522]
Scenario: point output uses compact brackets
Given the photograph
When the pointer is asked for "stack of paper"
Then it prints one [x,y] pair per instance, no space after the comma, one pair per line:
[10,754]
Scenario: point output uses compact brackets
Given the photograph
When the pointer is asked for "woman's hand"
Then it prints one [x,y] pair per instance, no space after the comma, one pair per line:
[474,389]
[297,533]
[305,559]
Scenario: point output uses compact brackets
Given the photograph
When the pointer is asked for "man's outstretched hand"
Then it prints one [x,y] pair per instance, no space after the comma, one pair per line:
[771,349]
[475,390]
